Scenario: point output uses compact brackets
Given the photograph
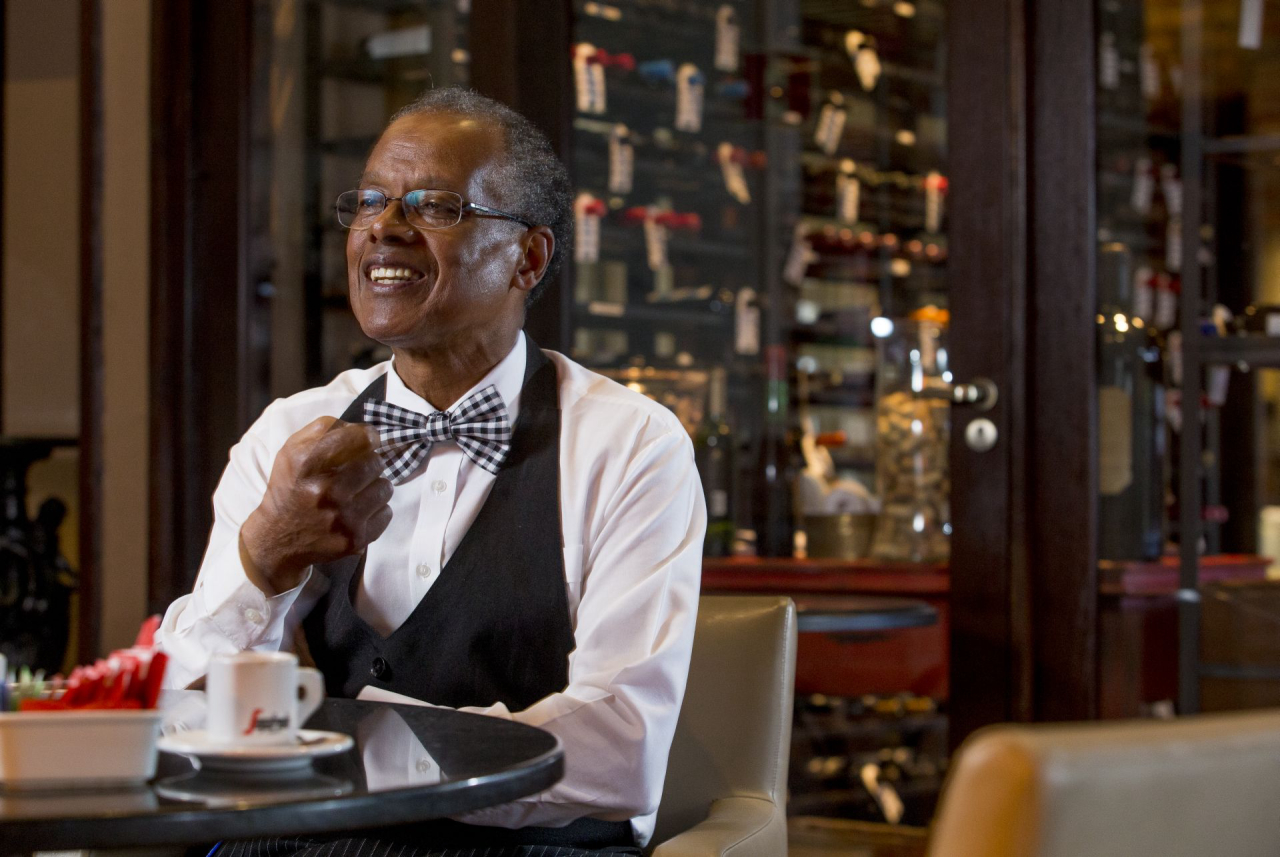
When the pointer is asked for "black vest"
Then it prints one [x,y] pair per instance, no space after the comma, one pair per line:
[495,625]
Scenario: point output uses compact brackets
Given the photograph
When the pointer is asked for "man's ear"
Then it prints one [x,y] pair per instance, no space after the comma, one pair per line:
[539,244]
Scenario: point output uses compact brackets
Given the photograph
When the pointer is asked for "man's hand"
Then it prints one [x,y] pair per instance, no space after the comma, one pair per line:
[326,499]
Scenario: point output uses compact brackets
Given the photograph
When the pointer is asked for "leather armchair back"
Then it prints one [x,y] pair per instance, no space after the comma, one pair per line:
[734,734]
[1184,788]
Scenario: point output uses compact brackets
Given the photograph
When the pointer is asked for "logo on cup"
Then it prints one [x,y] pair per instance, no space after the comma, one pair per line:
[270,723]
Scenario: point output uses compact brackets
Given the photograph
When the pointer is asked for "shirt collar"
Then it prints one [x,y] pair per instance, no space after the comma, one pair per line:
[507,376]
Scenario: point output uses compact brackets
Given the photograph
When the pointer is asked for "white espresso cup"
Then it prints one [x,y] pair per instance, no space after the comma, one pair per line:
[259,698]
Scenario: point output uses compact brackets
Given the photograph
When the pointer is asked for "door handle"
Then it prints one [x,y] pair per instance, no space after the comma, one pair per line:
[981,393]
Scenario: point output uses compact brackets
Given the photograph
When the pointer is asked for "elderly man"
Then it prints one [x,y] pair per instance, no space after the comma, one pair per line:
[476,523]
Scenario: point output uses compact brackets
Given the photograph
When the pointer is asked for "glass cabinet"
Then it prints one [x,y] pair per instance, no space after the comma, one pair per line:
[761,187]
[338,70]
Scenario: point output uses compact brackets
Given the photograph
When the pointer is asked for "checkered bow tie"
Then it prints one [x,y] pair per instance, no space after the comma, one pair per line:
[479,424]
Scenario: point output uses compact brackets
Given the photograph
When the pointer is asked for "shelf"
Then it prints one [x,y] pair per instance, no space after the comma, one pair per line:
[389,6]
[831,334]
[1137,124]
[1255,351]
[1246,144]
[374,72]
[615,235]
[616,314]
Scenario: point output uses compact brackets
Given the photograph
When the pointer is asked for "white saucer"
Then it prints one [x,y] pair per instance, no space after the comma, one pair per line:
[210,756]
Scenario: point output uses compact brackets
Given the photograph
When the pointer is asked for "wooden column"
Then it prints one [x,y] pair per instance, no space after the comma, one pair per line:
[91,378]
[202,362]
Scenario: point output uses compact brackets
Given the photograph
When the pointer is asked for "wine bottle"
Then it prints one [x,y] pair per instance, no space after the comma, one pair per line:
[713,452]
[1131,424]
[772,513]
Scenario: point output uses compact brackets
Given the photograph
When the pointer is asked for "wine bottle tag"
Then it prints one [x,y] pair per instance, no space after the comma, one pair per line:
[1144,296]
[1249,36]
[596,75]
[588,79]
[853,42]
[1171,187]
[735,180]
[868,68]
[1108,62]
[1173,244]
[746,338]
[1149,72]
[717,503]
[1173,409]
[689,98]
[1173,352]
[655,242]
[664,282]
[1217,385]
[799,257]
[622,160]
[586,237]
[935,186]
[1166,303]
[1143,186]
[830,127]
[728,38]
[848,191]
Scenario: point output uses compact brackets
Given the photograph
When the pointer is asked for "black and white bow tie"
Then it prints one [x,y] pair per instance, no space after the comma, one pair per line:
[479,424]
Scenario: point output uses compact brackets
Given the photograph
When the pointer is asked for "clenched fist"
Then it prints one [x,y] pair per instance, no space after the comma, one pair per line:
[326,499]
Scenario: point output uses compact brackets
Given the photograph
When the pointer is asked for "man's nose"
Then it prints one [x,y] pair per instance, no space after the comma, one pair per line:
[391,224]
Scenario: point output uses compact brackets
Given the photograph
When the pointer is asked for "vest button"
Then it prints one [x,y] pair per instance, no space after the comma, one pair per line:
[380,668]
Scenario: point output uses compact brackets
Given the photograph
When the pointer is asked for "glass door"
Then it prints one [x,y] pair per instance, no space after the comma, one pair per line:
[1188,151]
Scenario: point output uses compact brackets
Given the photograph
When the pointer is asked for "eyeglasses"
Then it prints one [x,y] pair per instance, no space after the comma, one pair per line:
[425,209]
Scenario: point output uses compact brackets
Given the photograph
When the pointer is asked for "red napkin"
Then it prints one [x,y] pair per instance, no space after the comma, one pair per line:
[127,679]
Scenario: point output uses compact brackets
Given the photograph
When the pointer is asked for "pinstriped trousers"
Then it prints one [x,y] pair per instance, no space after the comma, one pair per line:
[362,847]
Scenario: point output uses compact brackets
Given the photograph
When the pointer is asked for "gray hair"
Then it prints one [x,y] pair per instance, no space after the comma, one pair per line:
[535,182]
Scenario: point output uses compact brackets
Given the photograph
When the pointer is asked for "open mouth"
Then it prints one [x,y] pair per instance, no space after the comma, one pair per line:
[385,275]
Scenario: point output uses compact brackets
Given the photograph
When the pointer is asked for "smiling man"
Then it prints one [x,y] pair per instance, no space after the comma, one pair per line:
[476,523]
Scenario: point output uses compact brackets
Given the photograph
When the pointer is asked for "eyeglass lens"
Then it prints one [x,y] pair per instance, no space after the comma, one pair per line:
[430,209]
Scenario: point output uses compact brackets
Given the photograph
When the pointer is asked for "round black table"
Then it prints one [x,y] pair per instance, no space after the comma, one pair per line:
[463,762]
[860,614]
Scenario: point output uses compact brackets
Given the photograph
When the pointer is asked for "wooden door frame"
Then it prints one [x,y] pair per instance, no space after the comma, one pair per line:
[513,37]
[1022,253]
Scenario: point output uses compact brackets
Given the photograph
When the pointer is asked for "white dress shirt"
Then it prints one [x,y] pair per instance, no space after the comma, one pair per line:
[632,524]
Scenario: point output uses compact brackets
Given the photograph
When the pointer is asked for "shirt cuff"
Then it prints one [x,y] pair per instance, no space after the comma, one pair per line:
[242,612]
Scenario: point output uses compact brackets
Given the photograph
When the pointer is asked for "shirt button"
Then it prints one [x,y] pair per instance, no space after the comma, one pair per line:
[380,668]
[423,766]
[252,616]
[424,570]
[439,486]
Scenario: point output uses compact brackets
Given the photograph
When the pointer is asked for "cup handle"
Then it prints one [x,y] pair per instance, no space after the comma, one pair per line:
[310,693]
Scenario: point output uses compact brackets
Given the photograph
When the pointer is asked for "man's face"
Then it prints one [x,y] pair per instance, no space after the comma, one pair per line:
[462,277]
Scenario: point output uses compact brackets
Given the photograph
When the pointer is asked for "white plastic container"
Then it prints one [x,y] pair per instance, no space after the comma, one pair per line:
[78,749]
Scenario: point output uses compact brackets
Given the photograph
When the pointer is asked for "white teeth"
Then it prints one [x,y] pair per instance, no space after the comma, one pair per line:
[393,275]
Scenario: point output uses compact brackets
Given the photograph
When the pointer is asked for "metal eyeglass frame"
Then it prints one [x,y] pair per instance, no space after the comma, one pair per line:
[463,207]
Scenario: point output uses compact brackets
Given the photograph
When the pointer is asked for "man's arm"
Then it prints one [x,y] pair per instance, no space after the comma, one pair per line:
[226,612]
[633,638]
[324,499]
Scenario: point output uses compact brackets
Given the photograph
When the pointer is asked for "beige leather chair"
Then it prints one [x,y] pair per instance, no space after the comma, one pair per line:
[1204,786]
[725,791]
